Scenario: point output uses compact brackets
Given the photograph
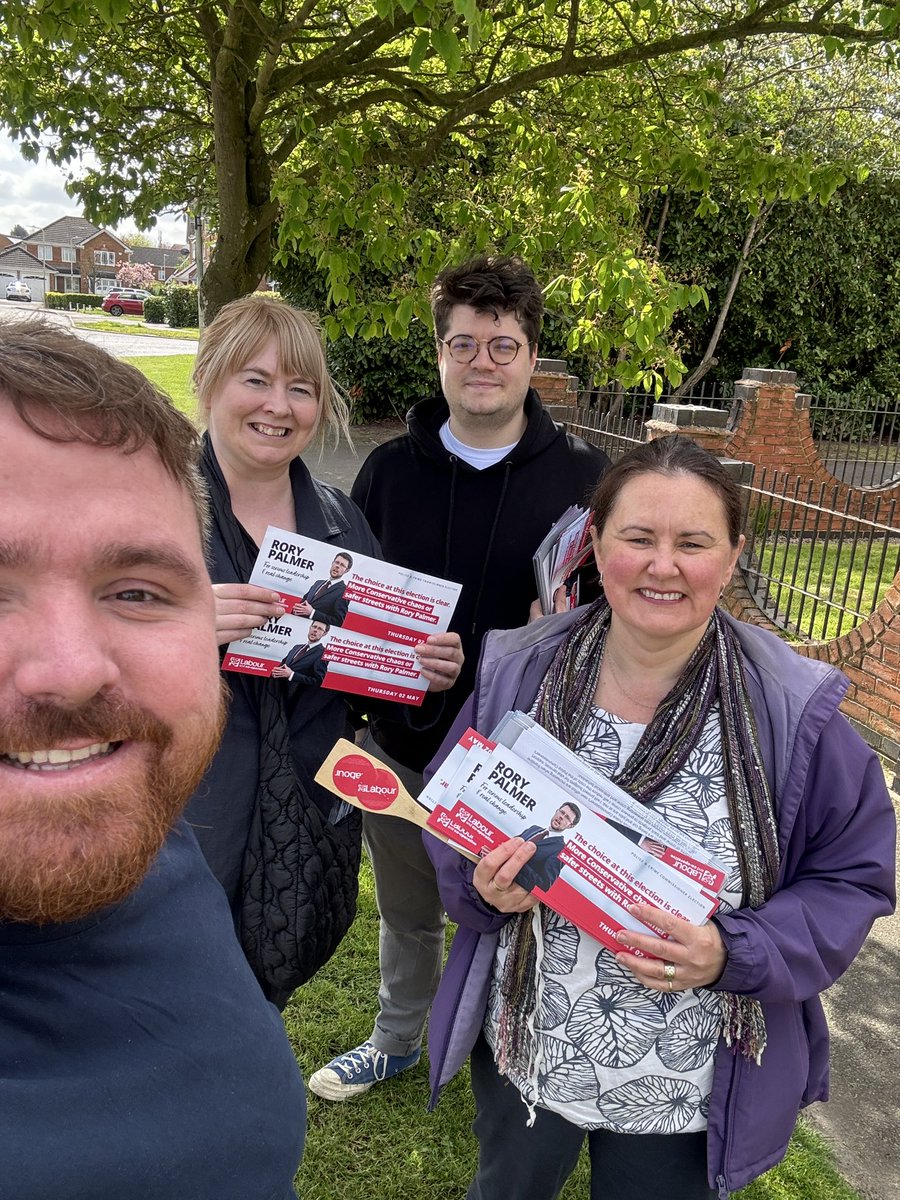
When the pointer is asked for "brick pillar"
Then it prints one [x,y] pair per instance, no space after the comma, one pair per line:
[705,426]
[770,425]
[556,387]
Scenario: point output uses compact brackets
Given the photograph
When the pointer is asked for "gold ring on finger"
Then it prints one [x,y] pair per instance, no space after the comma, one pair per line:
[669,971]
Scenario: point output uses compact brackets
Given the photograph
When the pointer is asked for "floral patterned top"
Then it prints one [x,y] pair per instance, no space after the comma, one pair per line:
[610,1053]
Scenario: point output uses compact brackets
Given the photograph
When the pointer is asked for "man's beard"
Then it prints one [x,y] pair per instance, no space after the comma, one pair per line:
[67,855]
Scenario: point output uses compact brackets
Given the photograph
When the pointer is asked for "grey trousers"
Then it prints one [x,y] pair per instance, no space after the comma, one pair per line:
[411,936]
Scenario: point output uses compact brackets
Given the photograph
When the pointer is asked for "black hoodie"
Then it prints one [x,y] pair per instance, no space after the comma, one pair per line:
[434,513]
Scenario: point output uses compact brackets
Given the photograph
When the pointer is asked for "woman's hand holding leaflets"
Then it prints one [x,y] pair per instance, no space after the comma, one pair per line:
[495,876]
[692,955]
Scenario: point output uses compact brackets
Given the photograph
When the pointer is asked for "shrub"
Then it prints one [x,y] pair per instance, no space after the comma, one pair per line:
[384,378]
[155,310]
[182,306]
[72,300]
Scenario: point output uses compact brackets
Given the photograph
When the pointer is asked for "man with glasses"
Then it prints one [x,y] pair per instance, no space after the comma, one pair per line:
[467,494]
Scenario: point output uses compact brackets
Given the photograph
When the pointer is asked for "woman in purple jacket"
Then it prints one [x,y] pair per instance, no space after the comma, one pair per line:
[686,1070]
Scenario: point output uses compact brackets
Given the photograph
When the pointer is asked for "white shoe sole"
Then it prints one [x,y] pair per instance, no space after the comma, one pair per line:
[325,1083]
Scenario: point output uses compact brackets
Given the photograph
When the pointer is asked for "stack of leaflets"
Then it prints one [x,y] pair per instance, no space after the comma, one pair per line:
[563,550]
[352,622]
[598,850]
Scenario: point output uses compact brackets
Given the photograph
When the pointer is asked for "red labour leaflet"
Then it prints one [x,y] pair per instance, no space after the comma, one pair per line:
[351,621]
[589,864]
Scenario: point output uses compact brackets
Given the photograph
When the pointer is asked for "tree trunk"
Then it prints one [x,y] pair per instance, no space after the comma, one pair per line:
[663,221]
[708,361]
[242,250]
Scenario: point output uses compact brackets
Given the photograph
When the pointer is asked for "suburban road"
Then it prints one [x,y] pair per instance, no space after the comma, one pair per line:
[122,345]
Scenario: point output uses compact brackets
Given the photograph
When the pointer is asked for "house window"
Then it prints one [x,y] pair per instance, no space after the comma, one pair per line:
[161,274]
[105,258]
[71,283]
[45,253]
[68,254]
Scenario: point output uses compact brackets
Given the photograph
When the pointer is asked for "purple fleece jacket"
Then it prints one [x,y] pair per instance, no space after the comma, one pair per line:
[837,839]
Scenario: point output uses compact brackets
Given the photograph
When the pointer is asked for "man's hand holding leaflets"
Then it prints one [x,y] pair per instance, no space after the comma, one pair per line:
[588,850]
[557,559]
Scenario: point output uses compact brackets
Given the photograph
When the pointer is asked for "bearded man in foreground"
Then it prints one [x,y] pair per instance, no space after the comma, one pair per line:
[138,1056]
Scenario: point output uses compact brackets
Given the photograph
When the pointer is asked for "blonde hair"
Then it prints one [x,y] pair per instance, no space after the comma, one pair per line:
[242,327]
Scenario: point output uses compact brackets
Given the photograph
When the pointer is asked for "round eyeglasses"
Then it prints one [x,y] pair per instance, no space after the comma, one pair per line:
[464,349]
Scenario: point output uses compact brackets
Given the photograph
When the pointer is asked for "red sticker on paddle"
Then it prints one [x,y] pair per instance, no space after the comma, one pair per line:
[378,789]
[349,772]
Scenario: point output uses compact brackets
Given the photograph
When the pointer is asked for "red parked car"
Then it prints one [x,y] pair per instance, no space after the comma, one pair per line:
[125,300]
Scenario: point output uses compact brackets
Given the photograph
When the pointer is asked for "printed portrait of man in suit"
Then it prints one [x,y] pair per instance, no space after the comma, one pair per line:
[325,599]
[543,868]
[305,663]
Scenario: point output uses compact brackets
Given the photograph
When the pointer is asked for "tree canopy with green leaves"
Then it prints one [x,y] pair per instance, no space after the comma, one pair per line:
[385,137]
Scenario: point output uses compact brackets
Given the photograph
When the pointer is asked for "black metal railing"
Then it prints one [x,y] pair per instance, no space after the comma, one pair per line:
[812,565]
[632,404]
[614,435]
[858,443]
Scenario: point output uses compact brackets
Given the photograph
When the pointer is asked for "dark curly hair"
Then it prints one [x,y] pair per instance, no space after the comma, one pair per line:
[491,284]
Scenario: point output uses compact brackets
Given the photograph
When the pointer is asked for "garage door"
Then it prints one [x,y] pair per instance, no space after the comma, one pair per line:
[36,283]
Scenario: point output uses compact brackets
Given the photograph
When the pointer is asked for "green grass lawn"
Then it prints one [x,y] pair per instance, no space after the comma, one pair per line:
[386,1145]
[134,325]
[171,373]
[818,570]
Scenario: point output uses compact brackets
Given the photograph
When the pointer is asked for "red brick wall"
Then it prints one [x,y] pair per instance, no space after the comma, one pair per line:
[555,387]
[773,432]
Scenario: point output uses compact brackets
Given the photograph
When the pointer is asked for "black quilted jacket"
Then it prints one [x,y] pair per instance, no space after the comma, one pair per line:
[316,894]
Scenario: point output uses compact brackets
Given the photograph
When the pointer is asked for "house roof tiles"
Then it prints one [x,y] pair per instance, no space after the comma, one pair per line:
[15,258]
[69,231]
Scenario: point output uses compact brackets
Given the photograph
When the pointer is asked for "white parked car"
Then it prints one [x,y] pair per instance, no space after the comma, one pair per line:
[17,290]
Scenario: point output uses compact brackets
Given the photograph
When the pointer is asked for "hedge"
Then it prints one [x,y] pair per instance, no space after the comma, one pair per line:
[155,310]
[72,300]
[182,306]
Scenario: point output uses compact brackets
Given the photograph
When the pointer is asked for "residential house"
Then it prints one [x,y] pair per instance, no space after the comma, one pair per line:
[77,255]
[164,260]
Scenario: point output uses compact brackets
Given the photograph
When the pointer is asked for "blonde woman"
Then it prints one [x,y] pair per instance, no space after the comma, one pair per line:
[285,852]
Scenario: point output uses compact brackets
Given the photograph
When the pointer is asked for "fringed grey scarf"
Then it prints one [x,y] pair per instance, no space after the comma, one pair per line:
[713,675]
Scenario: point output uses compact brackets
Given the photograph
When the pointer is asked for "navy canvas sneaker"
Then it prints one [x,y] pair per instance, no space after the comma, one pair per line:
[355,1072]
